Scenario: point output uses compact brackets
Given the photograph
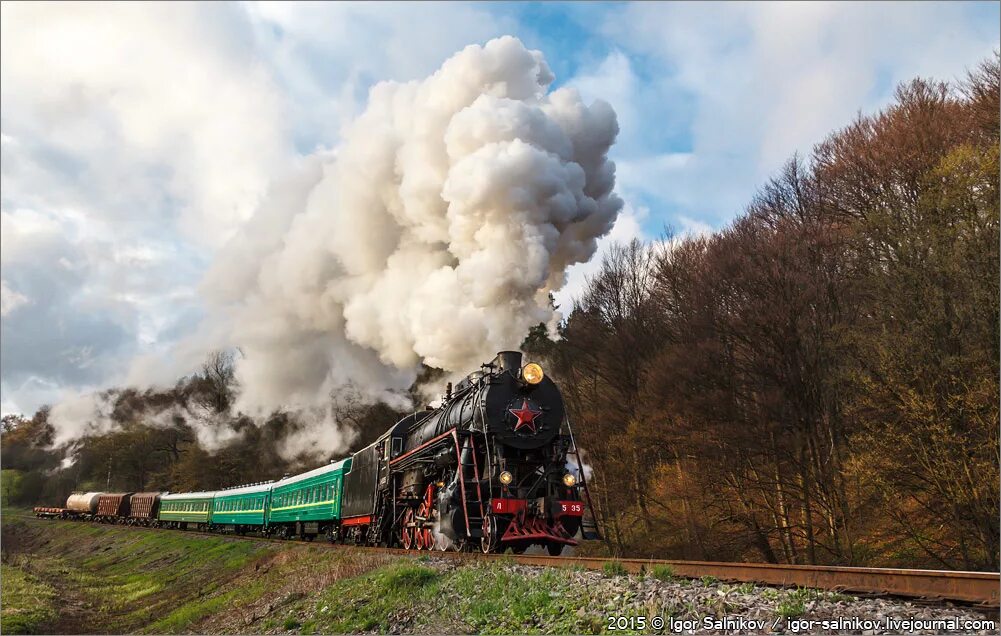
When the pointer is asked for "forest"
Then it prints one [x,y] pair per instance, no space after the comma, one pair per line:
[817,382]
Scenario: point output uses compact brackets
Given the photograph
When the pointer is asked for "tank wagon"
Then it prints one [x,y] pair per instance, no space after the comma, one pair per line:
[83,504]
[494,467]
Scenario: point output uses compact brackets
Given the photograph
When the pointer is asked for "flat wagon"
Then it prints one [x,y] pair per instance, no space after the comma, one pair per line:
[45,512]
[309,504]
[241,509]
[186,510]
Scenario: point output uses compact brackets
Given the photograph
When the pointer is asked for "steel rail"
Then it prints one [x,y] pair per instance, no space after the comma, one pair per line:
[977,588]
[970,587]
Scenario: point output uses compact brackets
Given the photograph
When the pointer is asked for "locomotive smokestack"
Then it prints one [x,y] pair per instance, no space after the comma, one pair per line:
[508,361]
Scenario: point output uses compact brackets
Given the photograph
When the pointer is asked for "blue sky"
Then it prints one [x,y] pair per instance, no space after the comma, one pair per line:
[137,139]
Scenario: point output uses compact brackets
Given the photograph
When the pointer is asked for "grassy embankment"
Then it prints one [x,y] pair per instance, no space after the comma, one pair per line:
[27,603]
[71,577]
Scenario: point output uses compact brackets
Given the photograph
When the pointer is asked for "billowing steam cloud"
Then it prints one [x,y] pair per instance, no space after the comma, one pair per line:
[434,233]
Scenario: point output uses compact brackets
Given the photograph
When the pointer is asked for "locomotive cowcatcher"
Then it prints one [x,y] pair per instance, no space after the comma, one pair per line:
[487,468]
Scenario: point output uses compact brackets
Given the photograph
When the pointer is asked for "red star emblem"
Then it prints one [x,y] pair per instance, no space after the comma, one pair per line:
[526,416]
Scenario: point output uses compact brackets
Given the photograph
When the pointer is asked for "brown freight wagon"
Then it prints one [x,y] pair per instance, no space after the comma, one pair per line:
[144,508]
[112,506]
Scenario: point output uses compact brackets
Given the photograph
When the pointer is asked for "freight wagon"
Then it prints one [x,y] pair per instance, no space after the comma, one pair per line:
[112,506]
[83,503]
[144,508]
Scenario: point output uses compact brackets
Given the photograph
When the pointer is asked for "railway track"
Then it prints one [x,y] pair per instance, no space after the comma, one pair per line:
[981,589]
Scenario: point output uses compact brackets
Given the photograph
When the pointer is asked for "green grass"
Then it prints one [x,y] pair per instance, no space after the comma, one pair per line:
[614,568]
[662,572]
[493,600]
[365,603]
[129,576]
[505,602]
[793,603]
[28,603]
[791,608]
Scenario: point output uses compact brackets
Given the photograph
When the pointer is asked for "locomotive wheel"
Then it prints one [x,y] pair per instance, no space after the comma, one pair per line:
[425,538]
[490,539]
[419,537]
[407,530]
[554,549]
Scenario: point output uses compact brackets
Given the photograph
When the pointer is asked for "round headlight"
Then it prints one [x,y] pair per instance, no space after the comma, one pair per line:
[532,373]
[569,480]
[506,478]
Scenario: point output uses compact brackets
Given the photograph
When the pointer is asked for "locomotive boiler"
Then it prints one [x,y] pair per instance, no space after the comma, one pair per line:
[489,466]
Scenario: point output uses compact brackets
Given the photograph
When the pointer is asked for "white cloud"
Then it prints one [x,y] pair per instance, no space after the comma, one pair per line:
[754,83]
[328,54]
[10,299]
[168,97]
[135,139]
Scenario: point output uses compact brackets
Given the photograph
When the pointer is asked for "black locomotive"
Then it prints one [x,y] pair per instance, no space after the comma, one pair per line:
[488,467]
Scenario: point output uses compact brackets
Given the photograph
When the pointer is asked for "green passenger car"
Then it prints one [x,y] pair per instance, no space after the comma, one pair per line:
[242,508]
[186,508]
[308,504]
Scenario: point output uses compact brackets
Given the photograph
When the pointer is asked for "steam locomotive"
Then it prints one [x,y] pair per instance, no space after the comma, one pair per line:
[494,467]
[490,465]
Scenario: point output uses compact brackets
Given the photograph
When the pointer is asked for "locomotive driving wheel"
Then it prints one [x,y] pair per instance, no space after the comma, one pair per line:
[425,538]
[491,538]
[407,530]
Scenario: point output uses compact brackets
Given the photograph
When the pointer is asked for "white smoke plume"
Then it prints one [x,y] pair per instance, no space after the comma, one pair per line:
[91,414]
[434,234]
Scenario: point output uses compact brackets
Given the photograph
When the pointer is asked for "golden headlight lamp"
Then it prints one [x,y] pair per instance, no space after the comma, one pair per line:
[532,373]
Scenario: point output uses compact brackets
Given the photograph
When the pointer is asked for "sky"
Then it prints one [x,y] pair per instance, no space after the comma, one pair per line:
[137,139]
